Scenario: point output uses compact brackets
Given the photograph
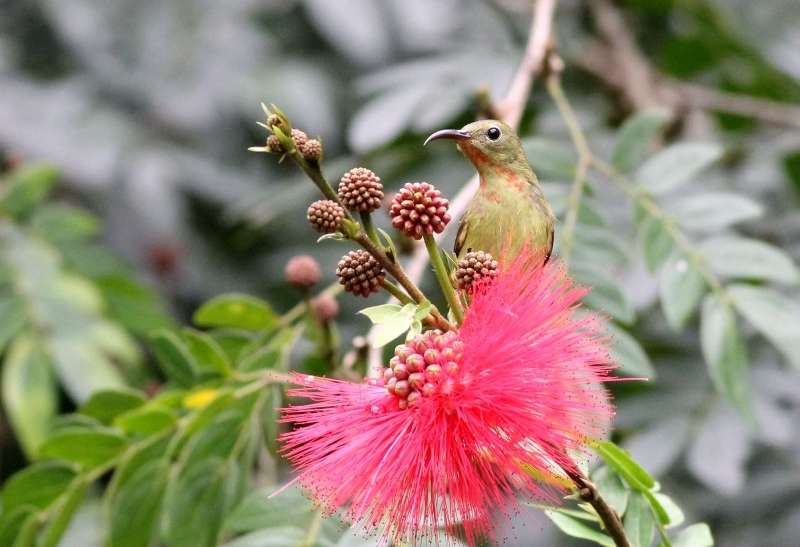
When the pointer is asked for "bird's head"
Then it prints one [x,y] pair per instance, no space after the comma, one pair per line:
[487,144]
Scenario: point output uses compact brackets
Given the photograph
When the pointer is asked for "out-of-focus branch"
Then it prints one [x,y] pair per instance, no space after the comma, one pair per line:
[616,60]
[510,108]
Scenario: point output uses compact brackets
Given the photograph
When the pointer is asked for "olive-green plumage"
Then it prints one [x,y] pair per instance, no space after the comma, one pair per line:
[509,210]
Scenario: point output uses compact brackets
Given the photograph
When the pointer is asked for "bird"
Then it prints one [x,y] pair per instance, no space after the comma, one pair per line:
[509,213]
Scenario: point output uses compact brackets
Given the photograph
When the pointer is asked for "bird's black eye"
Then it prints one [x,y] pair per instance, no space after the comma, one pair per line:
[493,133]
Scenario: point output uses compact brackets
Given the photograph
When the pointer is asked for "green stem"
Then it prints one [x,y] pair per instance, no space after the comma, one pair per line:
[397,292]
[443,278]
[584,160]
[369,227]
[396,270]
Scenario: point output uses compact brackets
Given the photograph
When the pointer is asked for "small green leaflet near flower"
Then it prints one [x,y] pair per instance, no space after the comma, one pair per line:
[392,320]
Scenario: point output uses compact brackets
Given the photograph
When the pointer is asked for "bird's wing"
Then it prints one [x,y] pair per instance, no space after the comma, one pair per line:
[461,236]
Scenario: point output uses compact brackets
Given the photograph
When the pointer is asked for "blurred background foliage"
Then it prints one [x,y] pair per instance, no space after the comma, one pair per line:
[128,199]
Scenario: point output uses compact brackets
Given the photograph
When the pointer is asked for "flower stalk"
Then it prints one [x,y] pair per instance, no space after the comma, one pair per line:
[442,276]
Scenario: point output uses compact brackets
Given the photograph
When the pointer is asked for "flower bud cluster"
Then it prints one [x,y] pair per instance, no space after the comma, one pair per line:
[425,366]
[418,209]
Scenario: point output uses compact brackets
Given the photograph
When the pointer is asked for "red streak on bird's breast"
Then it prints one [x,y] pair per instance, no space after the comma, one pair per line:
[483,163]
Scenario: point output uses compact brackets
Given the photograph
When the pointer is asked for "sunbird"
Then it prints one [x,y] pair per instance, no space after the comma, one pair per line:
[509,212]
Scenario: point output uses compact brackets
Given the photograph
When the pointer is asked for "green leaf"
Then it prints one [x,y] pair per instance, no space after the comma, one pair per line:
[725,353]
[628,354]
[657,243]
[638,521]
[145,421]
[196,505]
[611,488]
[676,165]
[280,536]
[379,314]
[12,521]
[714,211]
[137,307]
[89,449]
[619,460]
[68,505]
[12,319]
[258,510]
[550,159]
[274,354]
[577,529]
[106,405]
[136,505]
[771,314]
[696,535]
[675,516]
[238,311]
[27,187]
[208,354]
[58,222]
[174,357]
[681,287]
[37,485]
[82,368]
[606,295]
[635,138]
[740,257]
[29,392]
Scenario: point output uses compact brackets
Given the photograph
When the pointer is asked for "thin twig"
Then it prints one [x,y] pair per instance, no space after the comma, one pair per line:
[511,108]
[584,159]
[611,521]
[617,61]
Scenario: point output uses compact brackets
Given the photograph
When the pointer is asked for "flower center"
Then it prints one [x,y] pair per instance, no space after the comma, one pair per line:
[423,367]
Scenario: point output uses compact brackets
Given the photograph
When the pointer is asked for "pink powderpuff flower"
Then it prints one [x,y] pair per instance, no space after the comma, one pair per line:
[465,423]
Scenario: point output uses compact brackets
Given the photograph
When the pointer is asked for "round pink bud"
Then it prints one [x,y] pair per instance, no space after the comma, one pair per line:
[431,356]
[400,371]
[415,363]
[402,389]
[416,380]
[419,209]
[428,389]
[433,372]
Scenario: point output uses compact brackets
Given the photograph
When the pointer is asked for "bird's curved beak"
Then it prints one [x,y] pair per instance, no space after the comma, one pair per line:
[453,134]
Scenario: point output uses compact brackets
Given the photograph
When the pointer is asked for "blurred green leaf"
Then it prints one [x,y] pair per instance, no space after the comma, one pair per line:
[196,505]
[82,368]
[38,485]
[29,392]
[26,187]
[638,521]
[740,257]
[606,294]
[550,159]
[725,353]
[12,318]
[628,354]
[775,316]
[619,460]
[635,138]
[106,405]
[237,311]
[68,505]
[174,357]
[657,243]
[577,529]
[56,223]
[208,354]
[674,513]
[696,535]
[136,505]
[681,287]
[135,306]
[714,211]
[145,421]
[676,165]
[89,449]
[11,522]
